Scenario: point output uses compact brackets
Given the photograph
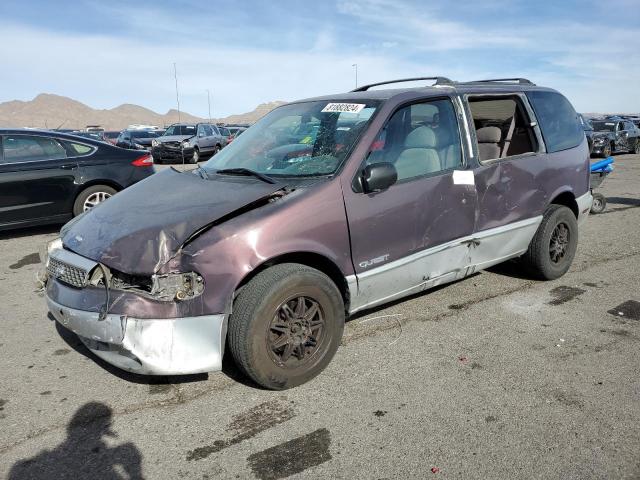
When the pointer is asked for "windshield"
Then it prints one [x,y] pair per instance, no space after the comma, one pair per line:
[302,139]
[603,126]
[180,130]
[143,134]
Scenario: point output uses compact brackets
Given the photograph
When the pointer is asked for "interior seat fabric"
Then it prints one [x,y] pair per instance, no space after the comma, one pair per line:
[488,142]
[419,156]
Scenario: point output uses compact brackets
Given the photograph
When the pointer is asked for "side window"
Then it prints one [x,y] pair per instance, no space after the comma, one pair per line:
[77,149]
[420,139]
[620,126]
[503,128]
[210,130]
[28,148]
[558,120]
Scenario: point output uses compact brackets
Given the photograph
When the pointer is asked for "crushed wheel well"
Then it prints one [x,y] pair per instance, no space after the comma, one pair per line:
[313,260]
[568,200]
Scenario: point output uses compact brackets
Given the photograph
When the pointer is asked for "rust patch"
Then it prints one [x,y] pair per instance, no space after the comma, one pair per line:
[292,457]
[247,425]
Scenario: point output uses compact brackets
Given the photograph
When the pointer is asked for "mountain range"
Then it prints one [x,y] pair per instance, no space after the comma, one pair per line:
[54,111]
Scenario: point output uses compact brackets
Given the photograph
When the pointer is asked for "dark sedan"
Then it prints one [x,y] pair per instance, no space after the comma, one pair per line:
[49,177]
[136,139]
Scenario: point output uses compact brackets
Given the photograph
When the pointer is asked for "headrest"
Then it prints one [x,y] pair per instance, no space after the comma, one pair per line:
[421,137]
[489,135]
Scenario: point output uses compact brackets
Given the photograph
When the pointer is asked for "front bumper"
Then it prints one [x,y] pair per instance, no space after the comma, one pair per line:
[168,153]
[167,346]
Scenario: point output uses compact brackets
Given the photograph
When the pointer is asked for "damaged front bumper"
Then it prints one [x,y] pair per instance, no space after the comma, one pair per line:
[166,346]
[153,333]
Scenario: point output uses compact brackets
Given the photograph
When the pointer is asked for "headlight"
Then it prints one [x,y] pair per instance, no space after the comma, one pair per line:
[140,147]
[154,143]
[55,244]
[598,140]
[186,144]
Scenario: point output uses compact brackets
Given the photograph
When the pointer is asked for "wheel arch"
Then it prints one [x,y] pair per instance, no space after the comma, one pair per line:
[567,199]
[310,259]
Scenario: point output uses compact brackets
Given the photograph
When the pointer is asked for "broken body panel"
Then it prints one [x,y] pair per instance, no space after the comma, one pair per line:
[380,246]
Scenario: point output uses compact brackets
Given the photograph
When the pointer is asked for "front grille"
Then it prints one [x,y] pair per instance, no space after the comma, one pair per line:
[67,273]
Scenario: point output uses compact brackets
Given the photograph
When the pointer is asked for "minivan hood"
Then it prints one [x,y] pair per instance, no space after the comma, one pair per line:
[144,226]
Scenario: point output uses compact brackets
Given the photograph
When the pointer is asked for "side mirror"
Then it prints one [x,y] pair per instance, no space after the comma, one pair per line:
[378,176]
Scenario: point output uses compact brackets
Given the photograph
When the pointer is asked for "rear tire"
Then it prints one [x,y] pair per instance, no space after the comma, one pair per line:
[278,340]
[599,203]
[90,197]
[554,245]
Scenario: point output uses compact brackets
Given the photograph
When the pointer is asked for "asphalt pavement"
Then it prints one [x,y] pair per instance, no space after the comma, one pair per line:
[495,376]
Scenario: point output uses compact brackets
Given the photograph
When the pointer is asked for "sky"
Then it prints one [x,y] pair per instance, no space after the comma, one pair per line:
[106,53]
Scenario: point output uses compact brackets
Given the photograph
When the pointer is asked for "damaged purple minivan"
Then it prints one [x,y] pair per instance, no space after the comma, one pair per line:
[325,207]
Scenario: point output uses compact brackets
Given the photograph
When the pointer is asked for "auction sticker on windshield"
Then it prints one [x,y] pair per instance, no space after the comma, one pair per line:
[344,107]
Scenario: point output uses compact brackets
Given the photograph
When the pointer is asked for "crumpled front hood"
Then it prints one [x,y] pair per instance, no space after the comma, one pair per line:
[141,228]
[174,138]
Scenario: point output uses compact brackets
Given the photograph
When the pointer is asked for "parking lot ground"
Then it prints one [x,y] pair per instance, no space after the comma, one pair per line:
[495,376]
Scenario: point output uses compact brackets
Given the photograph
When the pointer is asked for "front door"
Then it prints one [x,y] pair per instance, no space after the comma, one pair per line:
[412,235]
[37,181]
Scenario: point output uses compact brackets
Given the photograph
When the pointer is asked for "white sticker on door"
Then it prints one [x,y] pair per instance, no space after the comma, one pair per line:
[463,177]
[344,107]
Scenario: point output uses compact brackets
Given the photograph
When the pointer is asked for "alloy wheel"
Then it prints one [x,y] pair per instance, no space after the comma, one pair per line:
[296,332]
[559,243]
[94,199]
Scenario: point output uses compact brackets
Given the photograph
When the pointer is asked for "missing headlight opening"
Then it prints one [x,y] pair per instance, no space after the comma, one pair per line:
[165,288]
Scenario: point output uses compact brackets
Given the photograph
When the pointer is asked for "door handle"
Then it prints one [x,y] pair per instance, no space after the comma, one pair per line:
[68,166]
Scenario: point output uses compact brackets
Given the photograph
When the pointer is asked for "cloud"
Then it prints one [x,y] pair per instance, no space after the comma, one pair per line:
[267,51]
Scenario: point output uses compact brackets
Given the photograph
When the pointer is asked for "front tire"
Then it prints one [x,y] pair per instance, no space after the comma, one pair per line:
[286,325]
[90,197]
[554,245]
[196,155]
[606,151]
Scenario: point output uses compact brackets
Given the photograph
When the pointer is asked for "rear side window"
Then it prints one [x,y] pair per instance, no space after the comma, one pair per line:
[77,149]
[28,148]
[558,120]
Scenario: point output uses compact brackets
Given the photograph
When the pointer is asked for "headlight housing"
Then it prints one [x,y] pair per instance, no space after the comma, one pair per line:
[45,251]
[186,144]
[154,143]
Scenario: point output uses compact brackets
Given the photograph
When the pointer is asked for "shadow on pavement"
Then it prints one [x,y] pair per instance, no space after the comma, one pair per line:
[84,453]
[30,231]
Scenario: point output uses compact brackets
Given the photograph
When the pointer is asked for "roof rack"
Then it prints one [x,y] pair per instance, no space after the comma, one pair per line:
[439,81]
[520,81]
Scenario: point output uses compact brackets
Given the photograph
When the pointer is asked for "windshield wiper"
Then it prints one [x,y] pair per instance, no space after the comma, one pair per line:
[246,171]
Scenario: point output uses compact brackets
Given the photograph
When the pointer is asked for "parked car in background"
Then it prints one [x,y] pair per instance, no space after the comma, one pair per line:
[325,207]
[235,132]
[615,135]
[111,136]
[96,135]
[188,143]
[49,177]
[588,130]
[136,139]
[225,132]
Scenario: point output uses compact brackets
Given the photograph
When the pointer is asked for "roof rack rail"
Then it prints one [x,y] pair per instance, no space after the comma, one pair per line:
[439,81]
[521,81]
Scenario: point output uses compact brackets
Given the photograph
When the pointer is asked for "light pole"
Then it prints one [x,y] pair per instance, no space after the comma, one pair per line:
[209,101]
[175,75]
[356,65]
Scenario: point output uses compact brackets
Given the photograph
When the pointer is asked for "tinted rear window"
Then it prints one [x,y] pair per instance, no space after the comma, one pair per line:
[558,121]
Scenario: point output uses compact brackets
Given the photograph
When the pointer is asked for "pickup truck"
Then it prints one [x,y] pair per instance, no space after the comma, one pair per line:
[615,135]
